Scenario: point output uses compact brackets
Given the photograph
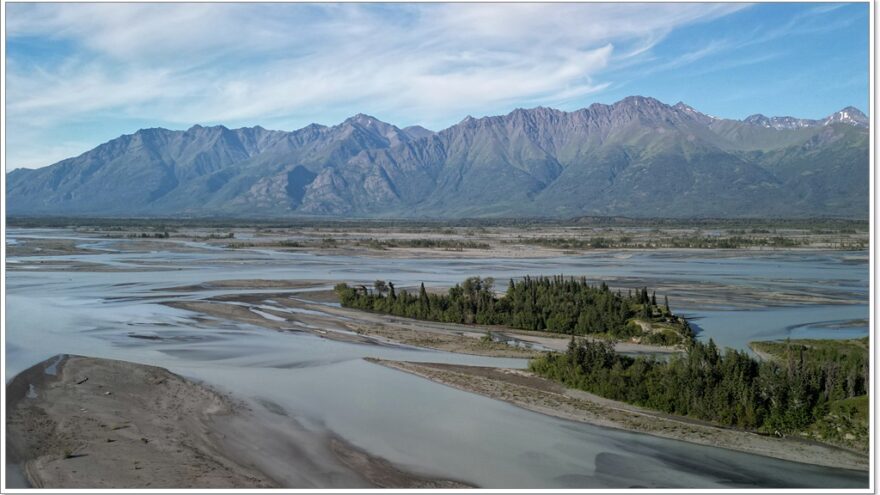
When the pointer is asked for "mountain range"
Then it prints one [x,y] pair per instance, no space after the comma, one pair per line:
[637,157]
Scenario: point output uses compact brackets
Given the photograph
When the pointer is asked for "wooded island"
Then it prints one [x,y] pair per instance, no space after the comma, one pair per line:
[556,304]
[815,389]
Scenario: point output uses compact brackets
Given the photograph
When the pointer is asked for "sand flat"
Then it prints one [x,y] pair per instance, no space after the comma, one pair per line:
[81,422]
[99,423]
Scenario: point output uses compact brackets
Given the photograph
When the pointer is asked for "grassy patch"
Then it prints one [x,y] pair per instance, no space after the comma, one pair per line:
[845,424]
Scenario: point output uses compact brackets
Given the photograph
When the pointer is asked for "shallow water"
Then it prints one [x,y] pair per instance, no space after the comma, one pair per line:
[430,428]
[737,328]
[16,477]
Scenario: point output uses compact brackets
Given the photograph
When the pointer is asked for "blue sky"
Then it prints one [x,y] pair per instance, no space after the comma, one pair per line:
[82,74]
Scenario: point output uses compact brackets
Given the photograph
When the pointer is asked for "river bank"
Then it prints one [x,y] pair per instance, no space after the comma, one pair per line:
[307,391]
[310,312]
[524,389]
[76,422]
[79,422]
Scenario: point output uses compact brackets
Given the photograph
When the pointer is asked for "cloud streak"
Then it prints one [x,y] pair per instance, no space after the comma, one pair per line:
[296,63]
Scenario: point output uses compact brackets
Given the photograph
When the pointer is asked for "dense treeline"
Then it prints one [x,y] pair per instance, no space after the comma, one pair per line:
[111,233]
[556,304]
[845,363]
[448,244]
[146,235]
[730,388]
[283,243]
[659,242]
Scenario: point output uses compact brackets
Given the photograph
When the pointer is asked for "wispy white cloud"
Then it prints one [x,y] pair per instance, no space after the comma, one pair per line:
[688,58]
[296,63]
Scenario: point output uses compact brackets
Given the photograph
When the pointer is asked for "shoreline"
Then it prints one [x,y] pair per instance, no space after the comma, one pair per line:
[523,389]
[286,389]
[283,312]
[763,356]
[525,242]
[81,422]
[78,422]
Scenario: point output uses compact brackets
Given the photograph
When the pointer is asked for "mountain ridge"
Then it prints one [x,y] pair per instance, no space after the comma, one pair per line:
[636,157]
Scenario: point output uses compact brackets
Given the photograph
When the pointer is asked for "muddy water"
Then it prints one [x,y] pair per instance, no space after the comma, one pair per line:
[429,428]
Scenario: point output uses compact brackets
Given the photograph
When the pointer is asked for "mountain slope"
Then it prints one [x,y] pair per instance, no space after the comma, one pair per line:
[636,157]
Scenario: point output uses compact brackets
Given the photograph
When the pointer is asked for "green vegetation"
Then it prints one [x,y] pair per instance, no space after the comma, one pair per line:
[814,349]
[332,242]
[283,243]
[681,242]
[824,225]
[223,235]
[164,234]
[447,244]
[846,423]
[457,235]
[146,235]
[554,304]
[845,420]
[812,388]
